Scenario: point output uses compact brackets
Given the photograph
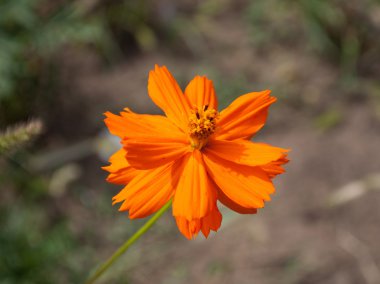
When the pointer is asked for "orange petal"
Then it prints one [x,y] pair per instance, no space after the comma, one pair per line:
[130,125]
[167,95]
[244,152]
[247,186]
[195,196]
[149,191]
[116,124]
[120,170]
[234,206]
[190,229]
[275,168]
[148,155]
[123,176]
[211,222]
[118,161]
[244,116]
[201,92]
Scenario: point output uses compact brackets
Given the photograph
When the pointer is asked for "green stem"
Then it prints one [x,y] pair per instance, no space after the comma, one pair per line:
[127,244]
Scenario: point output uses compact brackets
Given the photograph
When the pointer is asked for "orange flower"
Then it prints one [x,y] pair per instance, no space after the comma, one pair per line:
[194,155]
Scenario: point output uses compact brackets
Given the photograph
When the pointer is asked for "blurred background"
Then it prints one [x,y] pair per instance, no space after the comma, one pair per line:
[64,63]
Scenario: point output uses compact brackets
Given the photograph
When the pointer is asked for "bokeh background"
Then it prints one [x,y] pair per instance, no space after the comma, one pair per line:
[64,63]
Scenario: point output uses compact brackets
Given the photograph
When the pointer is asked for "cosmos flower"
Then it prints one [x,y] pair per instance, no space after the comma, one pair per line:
[194,155]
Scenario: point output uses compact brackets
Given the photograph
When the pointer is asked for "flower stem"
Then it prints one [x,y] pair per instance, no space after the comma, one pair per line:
[127,244]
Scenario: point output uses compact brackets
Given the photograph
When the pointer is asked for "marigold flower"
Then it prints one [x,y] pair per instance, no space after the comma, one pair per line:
[194,156]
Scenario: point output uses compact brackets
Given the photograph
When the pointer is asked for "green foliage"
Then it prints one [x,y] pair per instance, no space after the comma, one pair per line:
[32,254]
[268,25]
[320,16]
[131,19]
[28,36]
[32,249]
[339,30]
[37,244]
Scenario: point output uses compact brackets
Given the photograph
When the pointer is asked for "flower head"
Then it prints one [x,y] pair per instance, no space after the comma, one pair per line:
[194,155]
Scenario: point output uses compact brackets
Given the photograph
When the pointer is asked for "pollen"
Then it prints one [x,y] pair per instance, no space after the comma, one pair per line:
[202,124]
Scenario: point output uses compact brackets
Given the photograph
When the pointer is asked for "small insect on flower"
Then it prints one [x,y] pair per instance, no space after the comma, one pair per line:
[194,155]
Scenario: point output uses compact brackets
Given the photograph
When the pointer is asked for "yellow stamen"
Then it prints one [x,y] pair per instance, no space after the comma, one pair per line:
[202,123]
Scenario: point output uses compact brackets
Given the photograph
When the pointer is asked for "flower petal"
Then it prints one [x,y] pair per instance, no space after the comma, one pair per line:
[116,124]
[211,222]
[201,92]
[150,154]
[164,91]
[149,191]
[120,170]
[131,125]
[275,168]
[234,206]
[244,185]
[118,161]
[195,196]
[244,116]
[245,152]
[190,229]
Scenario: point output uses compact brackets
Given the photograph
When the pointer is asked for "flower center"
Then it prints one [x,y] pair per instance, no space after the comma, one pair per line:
[202,123]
